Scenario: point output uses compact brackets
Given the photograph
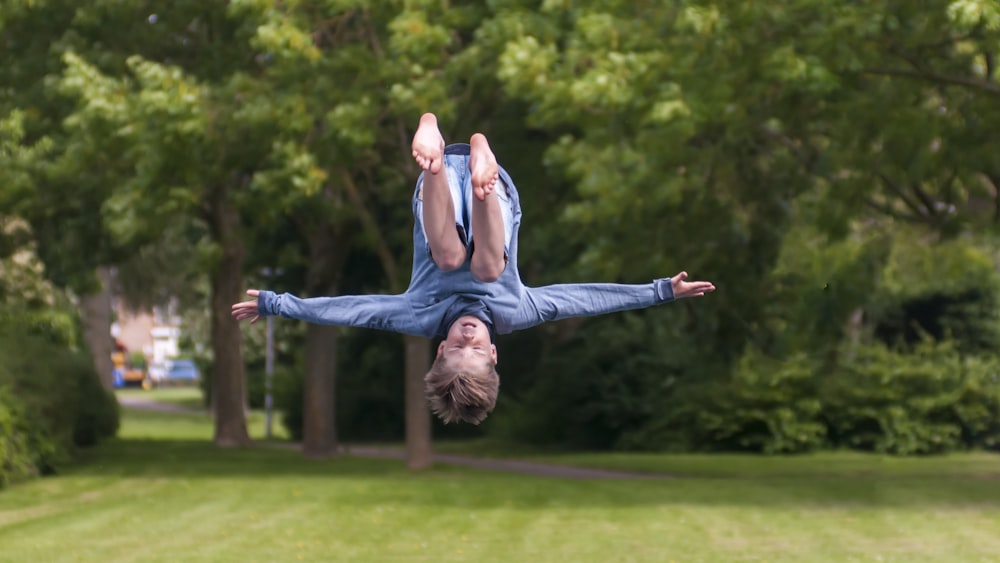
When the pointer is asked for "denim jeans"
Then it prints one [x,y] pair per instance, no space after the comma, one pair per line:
[456,167]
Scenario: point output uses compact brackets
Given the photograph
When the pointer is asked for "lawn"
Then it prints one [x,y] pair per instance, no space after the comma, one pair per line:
[194,426]
[161,492]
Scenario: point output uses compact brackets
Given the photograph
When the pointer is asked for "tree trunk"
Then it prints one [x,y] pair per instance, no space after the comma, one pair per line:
[418,359]
[95,311]
[229,393]
[327,253]
[319,435]
[418,419]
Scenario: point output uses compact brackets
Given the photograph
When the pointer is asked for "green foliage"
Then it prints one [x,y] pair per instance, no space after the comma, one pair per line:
[369,393]
[930,401]
[60,404]
[604,381]
[17,455]
[978,406]
[946,291]
[920,266]
[97,410]
[766,405]
[821,162]
[817,285]
[288,400]
[369,397]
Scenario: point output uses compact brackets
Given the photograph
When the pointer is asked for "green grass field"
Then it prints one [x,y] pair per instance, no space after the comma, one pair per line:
[162,492]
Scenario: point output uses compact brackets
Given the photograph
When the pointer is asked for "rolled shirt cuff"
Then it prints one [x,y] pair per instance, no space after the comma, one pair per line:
[267,302]
[664,290]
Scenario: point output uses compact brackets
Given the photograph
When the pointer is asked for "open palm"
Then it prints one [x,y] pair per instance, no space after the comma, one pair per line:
[684,288]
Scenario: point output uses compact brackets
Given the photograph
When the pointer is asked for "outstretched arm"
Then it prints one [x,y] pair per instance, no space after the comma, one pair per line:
[381,312]
[563,301]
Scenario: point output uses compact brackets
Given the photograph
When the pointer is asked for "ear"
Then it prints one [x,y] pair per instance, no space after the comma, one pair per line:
[493,353]
[440,349]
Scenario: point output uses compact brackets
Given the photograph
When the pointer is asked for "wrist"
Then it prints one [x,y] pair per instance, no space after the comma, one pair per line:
[663,289]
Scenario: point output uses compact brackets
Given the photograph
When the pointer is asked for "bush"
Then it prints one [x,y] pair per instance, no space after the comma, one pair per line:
[206,369]
[772,407]
[593,391]
[930,401]
[97,411]
[888,402]
[256,387]
[60,404]
[766,405]
[978,406]
[289,387]
[17,457]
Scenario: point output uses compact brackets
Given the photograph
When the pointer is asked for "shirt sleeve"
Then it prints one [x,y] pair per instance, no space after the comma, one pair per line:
[563,301]
[381,312]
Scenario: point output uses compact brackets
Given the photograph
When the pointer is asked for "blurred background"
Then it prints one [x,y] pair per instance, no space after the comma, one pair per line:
[831,166]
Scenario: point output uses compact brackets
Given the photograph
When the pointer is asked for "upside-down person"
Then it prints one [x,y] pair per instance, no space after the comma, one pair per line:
[465,287]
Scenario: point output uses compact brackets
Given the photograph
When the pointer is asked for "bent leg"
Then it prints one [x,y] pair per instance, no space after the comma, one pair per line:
[447,250]
[489,257]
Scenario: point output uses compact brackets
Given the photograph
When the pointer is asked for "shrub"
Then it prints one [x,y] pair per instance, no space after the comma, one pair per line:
[977,408]
[289,387]
[59,402]
[767,405]
[256,386]
[593,391]
[771,407]
[17,458]
[930,400]
[97,410]
[890,402]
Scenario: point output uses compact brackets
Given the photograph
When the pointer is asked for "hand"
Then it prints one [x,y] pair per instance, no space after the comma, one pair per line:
[248,309]
[683,288]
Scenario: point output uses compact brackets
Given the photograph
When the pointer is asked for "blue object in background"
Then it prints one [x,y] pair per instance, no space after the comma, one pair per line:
[182,370]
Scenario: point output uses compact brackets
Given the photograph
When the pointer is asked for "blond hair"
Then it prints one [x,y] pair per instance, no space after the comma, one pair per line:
[466,394]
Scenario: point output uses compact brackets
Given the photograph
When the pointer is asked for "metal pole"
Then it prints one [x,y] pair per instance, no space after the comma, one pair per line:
[269,373]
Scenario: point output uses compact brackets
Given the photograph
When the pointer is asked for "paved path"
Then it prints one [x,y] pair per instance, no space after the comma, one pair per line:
[490,464]
[144,404]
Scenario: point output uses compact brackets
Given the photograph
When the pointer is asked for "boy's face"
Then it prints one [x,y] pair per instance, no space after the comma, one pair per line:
[468,344]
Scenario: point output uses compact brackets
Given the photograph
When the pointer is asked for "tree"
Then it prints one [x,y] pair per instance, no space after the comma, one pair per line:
[192,122]
[62,209]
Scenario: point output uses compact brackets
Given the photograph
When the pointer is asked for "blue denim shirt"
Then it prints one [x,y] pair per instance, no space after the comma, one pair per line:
[432,292]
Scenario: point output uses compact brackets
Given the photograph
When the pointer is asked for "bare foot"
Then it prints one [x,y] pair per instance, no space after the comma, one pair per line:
[428,144]
[482,166]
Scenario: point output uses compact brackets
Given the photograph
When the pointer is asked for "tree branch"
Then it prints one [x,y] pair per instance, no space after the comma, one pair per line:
[373,40]
[890,212]
[371,228]
[929,204]
[901,194]
[975,83]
